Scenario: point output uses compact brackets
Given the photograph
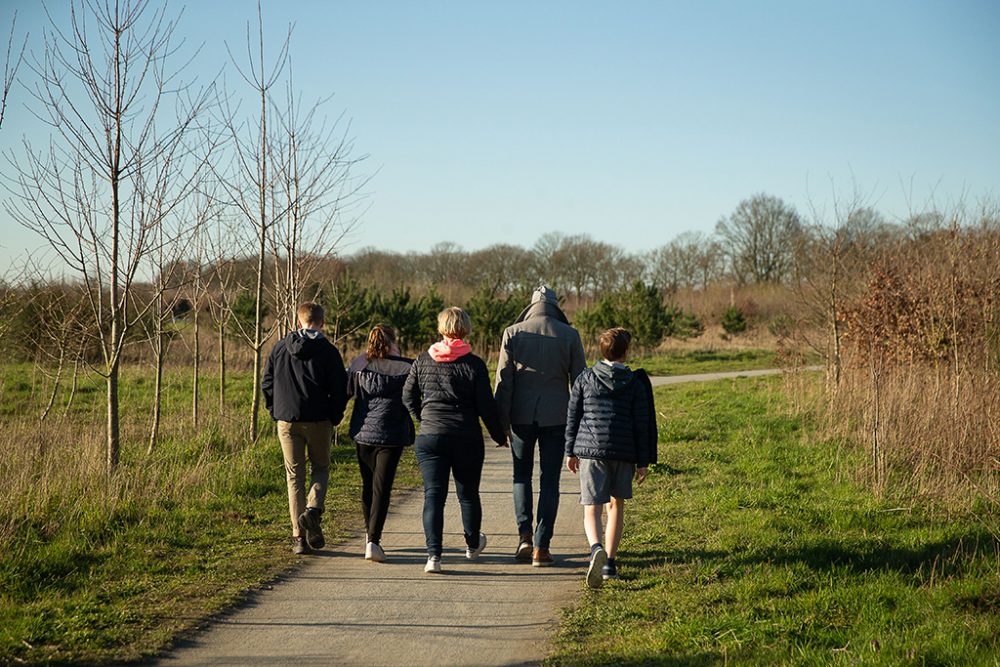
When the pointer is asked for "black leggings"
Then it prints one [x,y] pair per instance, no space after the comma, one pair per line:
[378,471]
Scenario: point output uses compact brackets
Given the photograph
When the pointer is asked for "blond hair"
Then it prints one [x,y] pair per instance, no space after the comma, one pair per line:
[454,323]
[380,341]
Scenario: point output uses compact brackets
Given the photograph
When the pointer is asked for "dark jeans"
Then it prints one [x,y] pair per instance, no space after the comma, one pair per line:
[378,471]
[439,455]
[551,445]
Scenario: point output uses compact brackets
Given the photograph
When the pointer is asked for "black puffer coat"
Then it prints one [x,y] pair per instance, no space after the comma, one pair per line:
[379,416]
[449,397]
[609,417]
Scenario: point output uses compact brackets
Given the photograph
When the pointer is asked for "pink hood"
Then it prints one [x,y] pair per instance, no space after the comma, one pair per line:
[449,349]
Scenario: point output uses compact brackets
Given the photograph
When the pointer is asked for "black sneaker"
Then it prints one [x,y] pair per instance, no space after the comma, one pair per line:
[300,546]
[610,570]
[309,523]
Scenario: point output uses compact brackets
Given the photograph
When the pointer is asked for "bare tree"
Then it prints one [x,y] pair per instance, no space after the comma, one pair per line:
[104,88]
[319,194]
[760,238]
[12,62]
[251,183]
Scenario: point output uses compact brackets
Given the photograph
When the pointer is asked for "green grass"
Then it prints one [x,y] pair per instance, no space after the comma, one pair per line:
[744,547]
[117,571]
[685,362]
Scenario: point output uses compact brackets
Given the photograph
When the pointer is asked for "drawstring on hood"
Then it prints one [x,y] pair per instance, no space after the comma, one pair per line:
[449,349]
[614,376]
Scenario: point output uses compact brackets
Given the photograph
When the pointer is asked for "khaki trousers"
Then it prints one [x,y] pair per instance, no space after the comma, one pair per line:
[298,440]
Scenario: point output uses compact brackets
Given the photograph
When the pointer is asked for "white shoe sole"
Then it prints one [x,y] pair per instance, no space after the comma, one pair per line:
[523,551]
[432,568]
[595,579]
[473,554]
[374,553]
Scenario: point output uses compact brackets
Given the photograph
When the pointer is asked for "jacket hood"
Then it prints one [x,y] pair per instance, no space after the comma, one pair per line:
[304,343]
[542,309]
[449,349]
[615,377]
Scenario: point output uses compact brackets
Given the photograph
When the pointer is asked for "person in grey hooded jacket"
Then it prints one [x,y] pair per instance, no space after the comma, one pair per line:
[541,356]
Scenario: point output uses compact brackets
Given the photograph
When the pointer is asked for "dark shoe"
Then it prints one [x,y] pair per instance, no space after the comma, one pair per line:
[610,570]
[524,547]
[300,546]
[541,558]
[309,522]
[595,578]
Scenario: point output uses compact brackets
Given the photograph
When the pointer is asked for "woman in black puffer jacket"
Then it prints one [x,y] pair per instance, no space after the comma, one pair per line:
[448,391]
[380,427]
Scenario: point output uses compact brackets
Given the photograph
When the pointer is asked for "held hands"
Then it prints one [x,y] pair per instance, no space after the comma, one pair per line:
[506,440]
[640,474]
[572,464]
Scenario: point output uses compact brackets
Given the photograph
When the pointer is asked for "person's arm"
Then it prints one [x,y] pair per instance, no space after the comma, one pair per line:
[267,383]
[486,405]
[641,410]
[574,413]
[577,358]
[411,392]
[338,388]
[505,380]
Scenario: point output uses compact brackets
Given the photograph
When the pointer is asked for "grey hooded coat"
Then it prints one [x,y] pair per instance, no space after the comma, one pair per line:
[541,356]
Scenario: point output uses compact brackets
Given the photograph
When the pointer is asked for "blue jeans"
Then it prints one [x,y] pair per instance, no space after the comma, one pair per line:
[551,444]
[437,456]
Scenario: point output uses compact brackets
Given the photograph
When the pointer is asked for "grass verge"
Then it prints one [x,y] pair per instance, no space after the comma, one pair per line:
[101,570]
[685,362]
[744,546]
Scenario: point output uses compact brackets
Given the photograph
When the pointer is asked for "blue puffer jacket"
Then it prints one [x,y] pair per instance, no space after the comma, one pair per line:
[379,416]
[609,416]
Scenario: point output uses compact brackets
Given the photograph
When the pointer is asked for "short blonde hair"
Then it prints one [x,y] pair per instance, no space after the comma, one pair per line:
[310,313]
[454,323]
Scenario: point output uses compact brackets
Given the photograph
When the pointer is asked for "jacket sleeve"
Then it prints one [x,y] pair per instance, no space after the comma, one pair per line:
[267,384]
[642,415]
[338,386]
[411,392]
[505,380]
[486,405]
[574,413]
[577,359]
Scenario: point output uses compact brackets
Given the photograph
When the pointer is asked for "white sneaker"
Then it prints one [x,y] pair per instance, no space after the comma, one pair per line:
[473,554]
[595,578]
[433,564]
[374,552]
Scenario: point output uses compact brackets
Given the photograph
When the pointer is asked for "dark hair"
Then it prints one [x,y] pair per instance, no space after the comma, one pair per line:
[310,313]
[380,341]
[614,343]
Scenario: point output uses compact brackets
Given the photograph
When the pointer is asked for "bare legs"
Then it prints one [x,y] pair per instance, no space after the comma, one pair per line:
[616,520]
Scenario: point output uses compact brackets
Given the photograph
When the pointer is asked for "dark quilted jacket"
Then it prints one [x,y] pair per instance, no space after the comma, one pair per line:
[304,379]
[449,398]
[379,416]
[609,417]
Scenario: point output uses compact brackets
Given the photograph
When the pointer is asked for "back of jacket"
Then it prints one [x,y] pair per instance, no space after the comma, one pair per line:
[379,416]
[609,417]
[540,358]
[304,379]
[449,397]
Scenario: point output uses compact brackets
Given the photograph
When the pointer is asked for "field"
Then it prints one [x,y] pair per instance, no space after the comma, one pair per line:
[748,545]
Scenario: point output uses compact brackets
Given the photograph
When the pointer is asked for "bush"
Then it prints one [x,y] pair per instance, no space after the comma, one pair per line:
[733,321]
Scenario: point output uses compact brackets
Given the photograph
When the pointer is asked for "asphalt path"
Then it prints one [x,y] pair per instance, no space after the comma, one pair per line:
[338,609]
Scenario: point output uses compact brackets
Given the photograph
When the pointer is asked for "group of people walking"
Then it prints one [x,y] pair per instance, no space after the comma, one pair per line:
[599,421]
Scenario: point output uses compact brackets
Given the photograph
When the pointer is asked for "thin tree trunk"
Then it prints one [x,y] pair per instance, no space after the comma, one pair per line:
[154,431]
[222,368]
[55,383]
[197,360]
[72,390]
[112,346]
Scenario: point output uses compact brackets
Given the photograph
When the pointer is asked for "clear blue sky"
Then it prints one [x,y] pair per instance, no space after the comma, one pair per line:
[631,121]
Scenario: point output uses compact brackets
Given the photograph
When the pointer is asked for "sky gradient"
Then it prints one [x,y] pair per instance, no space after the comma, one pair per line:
[631,122]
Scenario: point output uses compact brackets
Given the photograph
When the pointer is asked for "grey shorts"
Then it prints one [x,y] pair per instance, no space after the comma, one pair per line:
[599,480]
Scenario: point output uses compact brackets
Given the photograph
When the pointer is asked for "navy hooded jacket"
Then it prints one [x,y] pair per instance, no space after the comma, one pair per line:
[610,416]
[305,379]
[379,416]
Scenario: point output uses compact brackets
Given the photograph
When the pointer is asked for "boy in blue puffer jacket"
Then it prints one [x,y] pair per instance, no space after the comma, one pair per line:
[610,438]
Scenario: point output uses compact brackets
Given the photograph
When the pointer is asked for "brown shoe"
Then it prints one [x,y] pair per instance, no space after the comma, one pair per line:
[523,552]
[541,558]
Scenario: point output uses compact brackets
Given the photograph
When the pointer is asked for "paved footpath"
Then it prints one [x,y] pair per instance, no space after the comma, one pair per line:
[339,609]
